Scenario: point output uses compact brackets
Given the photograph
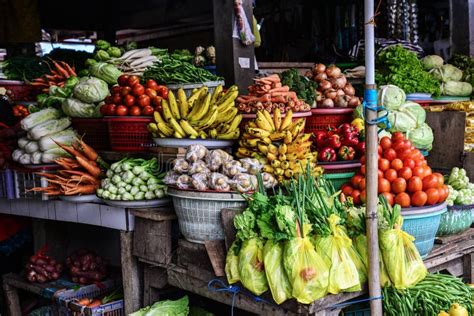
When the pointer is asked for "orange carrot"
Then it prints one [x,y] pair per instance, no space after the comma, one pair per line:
[68,68]
[82,189]
[281,89]
[70,150]
[93,170]
[88,151]
[60,69]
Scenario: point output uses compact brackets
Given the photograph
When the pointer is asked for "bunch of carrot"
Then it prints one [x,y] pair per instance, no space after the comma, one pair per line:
[58,76]
[268,93]
[79,174]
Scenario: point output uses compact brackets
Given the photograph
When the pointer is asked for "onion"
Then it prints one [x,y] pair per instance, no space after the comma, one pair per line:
[324,85]
[308,74]
[349,89]
[339,82]
[333,72]
[319,96]
[342,101]
[320,77]
[326,103]
[340,92]
[330,94]
[354,102]
[319,68]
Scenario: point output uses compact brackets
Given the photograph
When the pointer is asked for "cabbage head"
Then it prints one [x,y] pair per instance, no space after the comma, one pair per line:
[91,90]
[391,97]
[432,61]
[76,108]
[416,110]
[447,73]
[401,121]
[107,72]
[421,137]
[456,88]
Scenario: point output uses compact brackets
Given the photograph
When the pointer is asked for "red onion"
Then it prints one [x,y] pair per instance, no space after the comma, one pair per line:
[320,77]
[324,85]
[340,92]
[333,71]
[339,82]
[326,103]
[319,68]
[349,89]
[330,94]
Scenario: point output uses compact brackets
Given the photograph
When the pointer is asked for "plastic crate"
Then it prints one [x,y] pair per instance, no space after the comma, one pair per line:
[129,134]
[322,118]
[338,179]
[7,184]
[95,131]
[26,179]
[340,166]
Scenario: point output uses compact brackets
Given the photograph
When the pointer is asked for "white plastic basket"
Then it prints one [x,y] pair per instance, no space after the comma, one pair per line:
[199,212]
[26,179]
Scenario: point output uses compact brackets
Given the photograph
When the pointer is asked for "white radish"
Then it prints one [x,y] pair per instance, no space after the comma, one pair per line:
[143,60]
[136,53]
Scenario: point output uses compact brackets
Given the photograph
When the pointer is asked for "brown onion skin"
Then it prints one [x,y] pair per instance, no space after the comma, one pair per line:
[330,94]
[340,92]
[333,71]
[349,89]
[326,103]
[324,85]
[320,77]
[319,68]
[354,102]
[339,82]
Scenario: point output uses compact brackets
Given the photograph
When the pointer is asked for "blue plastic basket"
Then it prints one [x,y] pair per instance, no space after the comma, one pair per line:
[423,223]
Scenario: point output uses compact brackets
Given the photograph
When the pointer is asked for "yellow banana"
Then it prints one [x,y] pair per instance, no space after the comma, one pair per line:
[266,140]
[279,171]
[166,110]
[165,129]
[262,122]
[202,135]
[152,128]
[277,118]
[273,149]
[271,156]
[175,125]
[252,142]
[228,116]
[188,128]
[267,168]
[173,105]
[269,118]
[289,173]
[178,135]
[230,135]
[158,118]
[207,121]
[262,148]
[288,138]
[212,133]
[227,100]
[297,127]
[282,157]
[291,156]
[303,137]
[192,137]
[235,123]
[244,152]
[252,124]
[182,103]
[275,136]
[285,165]
[230,94]
[275,164]
[282,149]
[287,120]
[201,111]
[258,132]
[215,94]
[195,96]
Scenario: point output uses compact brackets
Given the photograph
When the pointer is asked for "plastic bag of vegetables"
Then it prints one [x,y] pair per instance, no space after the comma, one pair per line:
[91,90]
[251,271]
[278,282]
[232,263]
[360,243]
[76,108]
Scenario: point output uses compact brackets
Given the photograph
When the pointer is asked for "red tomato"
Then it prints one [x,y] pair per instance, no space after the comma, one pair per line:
[419,198]
[347,189]
[125,90]
[121,110]
[396,164]
[356,197]
[362,159]
[362,169]
[430,181]
[115,89]
[363,196]
[397,136]
[419,172]
[138,90]
[415,184]
[380,174]
[117,98]
[390,154]
[128,100]
[147,111]
[150,92]
[156,101]
[151,84]
[385,142]
[390,175]
[384,164]
[389,197]
[135,111]
[403,199]
[383,185]
[409,163]
[443,193]
[362,184]
[419,163]
[405,173]
[133,80]
[109,99]
[123,80]
[162,91]
[427,170]
[440,179]
[143,100]
[399,185]
[433,196]
[398,145]
[103,109]
[356,180]
[404,154]
[379,149]
[110,110]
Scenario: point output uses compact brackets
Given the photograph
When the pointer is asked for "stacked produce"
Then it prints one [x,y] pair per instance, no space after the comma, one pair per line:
[466,64]
[20,111]
[279,144]
[333,88]
[42,129]
[42,268]
[468,107]
[59,73]
[132,98]
[25,68]
[85,267]
[339,144]
[203,115]
[204,170]
[133,180]
[305,88]
[461,191]
[404,176]
[204,56]
[56,95]
[86,98]
[448,75]
[269,93]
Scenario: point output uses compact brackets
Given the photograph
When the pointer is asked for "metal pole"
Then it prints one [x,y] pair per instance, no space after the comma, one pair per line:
[371,157]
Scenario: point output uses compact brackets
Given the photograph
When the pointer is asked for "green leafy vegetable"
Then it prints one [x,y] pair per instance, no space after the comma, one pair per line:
[303,87]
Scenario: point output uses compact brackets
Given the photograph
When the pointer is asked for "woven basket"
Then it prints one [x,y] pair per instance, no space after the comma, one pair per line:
[457,219]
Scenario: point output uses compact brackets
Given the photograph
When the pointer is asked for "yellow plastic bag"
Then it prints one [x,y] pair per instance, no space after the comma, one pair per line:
[232,264]
[251,270]
[334,248]
[360,243]
[306,270]
[274,270]
[401,258]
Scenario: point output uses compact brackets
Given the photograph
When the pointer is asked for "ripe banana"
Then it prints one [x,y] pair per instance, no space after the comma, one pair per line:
[262,122]
[297,127]
[267,168]
[196,95]
[277,118]
[207,121]
[202,135]
[182,103]
[244,152]
[216,93]
[269,118]
[227,116]
[230,135]
[273,149]
[262,148]
[201,109]
[234,125]
[166,110]
[266,140]
[177,135]
[158,118]
[173,105]
[252,124]
[285,165]
[288,138]
[282,157]
[275,163]
[303,138]
[175,125]
[165,129]
[289,173]
[227,100]
[152,128]
[258,132]
[271,156]
[276,136]
[251,142]
[287,120]
[282,149]
[188,128]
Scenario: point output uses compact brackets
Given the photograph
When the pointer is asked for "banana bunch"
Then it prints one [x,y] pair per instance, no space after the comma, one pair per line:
[279,144]
[202,115]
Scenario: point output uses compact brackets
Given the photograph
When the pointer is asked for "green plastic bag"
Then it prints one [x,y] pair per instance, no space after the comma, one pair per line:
[276,275]
[232,263]
[360,243]
[251,271]
[306,270]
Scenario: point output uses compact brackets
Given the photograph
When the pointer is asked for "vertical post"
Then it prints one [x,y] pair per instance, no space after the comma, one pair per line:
[371,158]
[131,276]
[461,26]
[235,61]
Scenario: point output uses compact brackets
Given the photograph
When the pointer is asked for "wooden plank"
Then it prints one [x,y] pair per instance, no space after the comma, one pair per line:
[153,278]
[216,252]
[193,255]
[468,234]
[131,274]
[12,300]
[155,214]
[468,268]
[152,239]
[468,164]
[227,218]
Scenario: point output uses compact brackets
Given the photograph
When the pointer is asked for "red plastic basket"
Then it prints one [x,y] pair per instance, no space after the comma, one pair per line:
[322,118]
[129,134]
[20,91]
[95,131]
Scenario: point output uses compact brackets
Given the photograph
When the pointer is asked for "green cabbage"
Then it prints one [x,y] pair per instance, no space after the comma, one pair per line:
[401,121]
[421,137]
[102,55]
[165,308]
[76,108]
[432,61]
[391,97]
[107,72]
[91,90]
[114,51]
[456,88]
[447,73]
[416,110]
[101,44]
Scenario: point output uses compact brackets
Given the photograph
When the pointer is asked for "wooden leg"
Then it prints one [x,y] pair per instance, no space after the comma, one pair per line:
[468,268]
[154,279]
[12,300]
[131,274]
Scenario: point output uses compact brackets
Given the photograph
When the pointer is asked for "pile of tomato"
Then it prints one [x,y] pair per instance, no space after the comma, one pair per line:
[131,98]
[404,176]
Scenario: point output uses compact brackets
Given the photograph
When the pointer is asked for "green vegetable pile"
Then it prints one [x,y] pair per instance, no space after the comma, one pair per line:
[435,293]
[170,70]
[401,67]
[466,64]
[461,191]
[24,68]
[303,87]
[166,308]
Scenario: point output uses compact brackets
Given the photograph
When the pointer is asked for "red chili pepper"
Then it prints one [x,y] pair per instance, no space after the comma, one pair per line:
[346,153]
[333,141]
[327,154]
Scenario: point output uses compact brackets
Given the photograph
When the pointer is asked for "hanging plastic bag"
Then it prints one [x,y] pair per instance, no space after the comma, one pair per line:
[360,243]
[251,271]
[232,263]
[278,282]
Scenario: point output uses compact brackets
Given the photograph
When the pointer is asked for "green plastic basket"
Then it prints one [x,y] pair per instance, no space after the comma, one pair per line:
[338,179]
[457,219]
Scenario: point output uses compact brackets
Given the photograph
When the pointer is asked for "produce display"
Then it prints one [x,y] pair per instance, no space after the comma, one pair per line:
[85,267]
[204,56]
[333,88]
[401,67]
[205,170]
[269,93]
[131,98]
[468,107]
[86,98]
[56,95]
[60,72]
[305,89]
[79,174]
[42,129]
[25,68]
[404,176]
[339,144]
[20,111]
[178,307]
[279,144]
[133,180]
[202,115]
[461,190]
[466,64]
[41,269]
